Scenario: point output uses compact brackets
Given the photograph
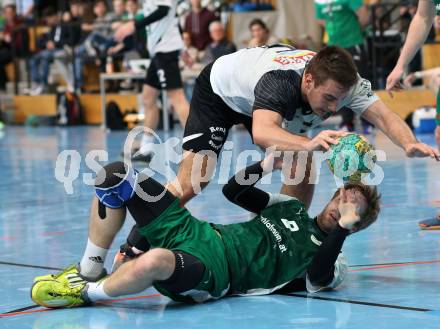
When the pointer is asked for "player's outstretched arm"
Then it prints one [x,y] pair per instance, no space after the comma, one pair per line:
[398,131]
[267,132]
[417,34]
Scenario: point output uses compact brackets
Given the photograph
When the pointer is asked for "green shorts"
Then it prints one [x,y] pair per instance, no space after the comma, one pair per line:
[176,229]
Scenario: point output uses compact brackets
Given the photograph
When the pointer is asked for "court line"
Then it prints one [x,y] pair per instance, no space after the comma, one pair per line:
[24,310]
[350,266]
[32,266]
[380,264]
[393,265]
[365,267]
[357,302]
[340,300]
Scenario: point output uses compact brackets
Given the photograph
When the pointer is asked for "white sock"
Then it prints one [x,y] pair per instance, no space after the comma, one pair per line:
[147,143]
[95,291]
[92,263]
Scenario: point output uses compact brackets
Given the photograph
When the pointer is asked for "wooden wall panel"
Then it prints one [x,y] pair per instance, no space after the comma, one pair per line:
[91,105]
[407,101]
[34,105]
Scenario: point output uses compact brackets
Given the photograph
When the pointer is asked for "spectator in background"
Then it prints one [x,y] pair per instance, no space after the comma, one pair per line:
[164,43]
[190,64]
[52,46]
[23,8]
[260,34]
[220,45]
[190,56]
[131,10]
[103,27]
[9,38]
[197,23]
[133,45]
[71,25]
[99,40]
[344,21]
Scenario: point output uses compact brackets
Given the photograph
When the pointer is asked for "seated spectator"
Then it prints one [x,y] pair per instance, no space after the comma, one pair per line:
[219,45]
[131,10]
[191,64]
[11,35]
[197,23]
[52,46]
[25,8]
[102,28]
[72,20]
[119,10]
[100,40]
[135,43]
[260,34]
[191,59]
[71,27]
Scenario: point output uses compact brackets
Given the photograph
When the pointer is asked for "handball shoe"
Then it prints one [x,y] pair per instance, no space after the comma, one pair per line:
[54,293]
[72,270]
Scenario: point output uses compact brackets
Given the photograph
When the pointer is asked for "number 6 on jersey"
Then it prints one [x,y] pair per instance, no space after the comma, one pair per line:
[290,224]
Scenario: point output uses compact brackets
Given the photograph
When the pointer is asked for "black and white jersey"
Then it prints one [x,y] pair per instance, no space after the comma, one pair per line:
[269,77]
[163,36]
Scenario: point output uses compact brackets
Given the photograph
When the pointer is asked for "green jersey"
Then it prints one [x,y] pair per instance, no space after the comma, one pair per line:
[437,6]
[255,257]
[437,117]
[272,249]
[341,21]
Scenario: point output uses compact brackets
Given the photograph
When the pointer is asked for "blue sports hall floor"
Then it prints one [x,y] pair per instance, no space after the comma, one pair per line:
[394,279]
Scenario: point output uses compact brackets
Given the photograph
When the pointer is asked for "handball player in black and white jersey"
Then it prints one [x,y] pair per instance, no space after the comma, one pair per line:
[164,43]
[278,93]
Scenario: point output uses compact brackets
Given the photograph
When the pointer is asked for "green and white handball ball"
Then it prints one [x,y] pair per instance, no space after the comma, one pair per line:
[352,157]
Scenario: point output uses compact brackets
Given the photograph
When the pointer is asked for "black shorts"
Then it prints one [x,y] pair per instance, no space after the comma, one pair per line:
[164,72]
[210,118]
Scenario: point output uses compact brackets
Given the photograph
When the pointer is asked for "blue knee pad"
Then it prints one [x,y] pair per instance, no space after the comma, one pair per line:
[117,187]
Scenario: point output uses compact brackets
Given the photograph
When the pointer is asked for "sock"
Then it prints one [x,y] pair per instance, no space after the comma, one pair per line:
[147,144]
[95,291]
[92,263]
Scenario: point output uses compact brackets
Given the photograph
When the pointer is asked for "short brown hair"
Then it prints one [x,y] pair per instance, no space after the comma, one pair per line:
[97,2]
[373,203]
[257,21]
[333,63]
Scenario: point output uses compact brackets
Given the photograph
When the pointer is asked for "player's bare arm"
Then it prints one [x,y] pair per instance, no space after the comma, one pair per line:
[417,34]
[267,132]
[398,131]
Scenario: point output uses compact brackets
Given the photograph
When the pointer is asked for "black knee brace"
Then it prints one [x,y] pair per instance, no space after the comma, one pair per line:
[187,274]
[136,244]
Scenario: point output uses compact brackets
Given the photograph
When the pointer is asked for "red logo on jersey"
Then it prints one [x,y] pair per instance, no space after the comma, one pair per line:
[300,58]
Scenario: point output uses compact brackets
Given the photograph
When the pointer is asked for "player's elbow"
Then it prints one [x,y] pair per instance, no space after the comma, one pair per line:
[261,135]
[319,278]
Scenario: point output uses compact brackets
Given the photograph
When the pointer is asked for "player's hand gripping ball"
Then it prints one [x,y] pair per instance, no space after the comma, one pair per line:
[352,157]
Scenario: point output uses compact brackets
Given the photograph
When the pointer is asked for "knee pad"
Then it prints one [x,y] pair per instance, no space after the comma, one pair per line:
[115,185]
[187,274]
